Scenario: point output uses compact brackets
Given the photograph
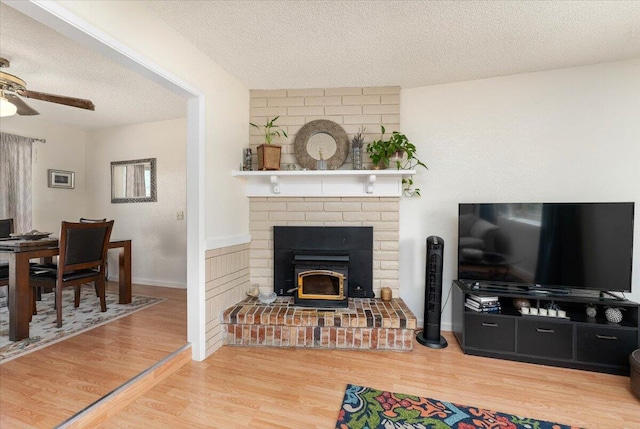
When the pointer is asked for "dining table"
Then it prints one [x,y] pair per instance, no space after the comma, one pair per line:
[20,252]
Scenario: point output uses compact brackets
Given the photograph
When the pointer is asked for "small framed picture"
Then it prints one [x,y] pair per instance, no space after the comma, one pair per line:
[62,179]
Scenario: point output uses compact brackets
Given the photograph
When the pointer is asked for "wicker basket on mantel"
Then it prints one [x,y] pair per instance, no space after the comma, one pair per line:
[269,157]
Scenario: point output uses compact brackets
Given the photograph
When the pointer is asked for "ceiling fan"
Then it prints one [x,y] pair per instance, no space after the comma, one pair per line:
[12,86]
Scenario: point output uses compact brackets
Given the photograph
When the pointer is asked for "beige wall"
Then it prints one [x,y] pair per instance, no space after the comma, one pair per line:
[159,238]
[227,281]
[351,108]
[380,213]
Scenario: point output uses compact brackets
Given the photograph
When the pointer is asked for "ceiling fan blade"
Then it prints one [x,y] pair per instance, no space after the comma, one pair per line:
[23,108]
[59,99]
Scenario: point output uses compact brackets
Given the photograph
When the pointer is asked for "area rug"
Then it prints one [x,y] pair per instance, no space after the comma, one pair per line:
[366,408]
[43,330]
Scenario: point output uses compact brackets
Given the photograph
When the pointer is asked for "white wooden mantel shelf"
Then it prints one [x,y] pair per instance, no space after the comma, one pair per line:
[325,183]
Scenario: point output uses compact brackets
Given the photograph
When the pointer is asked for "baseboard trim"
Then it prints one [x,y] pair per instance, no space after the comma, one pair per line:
[151,282]
[110,404]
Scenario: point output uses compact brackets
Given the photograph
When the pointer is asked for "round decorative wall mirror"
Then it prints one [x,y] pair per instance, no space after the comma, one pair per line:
[321,136]
[321,146]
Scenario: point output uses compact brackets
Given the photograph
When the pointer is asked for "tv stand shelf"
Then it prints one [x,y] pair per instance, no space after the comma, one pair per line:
[579,341]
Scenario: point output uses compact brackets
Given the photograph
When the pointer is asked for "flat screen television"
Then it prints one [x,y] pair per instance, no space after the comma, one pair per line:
[552,246]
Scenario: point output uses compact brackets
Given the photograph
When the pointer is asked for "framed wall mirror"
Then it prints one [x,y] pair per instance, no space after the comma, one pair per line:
[133,181]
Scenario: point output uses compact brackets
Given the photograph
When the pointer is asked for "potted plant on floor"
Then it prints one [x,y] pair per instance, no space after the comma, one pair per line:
[396,152]
[269,153]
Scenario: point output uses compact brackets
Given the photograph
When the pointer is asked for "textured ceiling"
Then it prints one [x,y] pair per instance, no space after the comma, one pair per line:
[302,44]
[50,62]
[305,44]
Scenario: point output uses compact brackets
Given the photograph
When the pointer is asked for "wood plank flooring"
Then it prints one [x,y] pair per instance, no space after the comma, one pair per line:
[46,387]
[101,411]
[241,387]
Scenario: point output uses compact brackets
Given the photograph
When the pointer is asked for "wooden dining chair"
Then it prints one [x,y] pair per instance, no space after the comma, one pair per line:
[4,273]
[83,250]
[6,227]
[4,281]
[106,261]
[87,220]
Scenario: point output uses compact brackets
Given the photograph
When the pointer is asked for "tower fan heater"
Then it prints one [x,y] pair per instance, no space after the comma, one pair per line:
[430,335]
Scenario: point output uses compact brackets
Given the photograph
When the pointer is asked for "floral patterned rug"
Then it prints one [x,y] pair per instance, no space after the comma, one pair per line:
[43,331]
[366,408]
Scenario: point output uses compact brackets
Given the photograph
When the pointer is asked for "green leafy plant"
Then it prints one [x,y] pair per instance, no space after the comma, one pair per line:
[399,150]
[271,130]
[377,151]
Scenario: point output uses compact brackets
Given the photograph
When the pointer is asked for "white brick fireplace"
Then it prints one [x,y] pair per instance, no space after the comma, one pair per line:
[233,270]
[311,198]
[367,324]
[379,212]
[330,198]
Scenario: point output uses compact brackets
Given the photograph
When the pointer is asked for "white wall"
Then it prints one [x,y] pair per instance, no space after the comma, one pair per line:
[64,150]
[561,135]
[159,239]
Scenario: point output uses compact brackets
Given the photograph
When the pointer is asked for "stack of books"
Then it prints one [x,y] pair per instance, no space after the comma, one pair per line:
[483,304]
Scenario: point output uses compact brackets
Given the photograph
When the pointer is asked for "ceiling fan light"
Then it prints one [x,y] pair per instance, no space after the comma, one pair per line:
[6,108]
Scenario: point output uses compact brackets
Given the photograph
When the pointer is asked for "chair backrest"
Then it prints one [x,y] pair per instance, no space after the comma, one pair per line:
[6,227]
[4,273]
[87,220]
[83,245]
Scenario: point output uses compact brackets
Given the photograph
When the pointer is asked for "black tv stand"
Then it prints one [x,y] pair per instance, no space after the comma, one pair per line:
[548,292]
[534,290]
[542,292]
[574,341]
[605,293]
[494,287]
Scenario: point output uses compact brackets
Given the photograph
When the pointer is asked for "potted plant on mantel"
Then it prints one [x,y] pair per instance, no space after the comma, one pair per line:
[269,153]
[398,153]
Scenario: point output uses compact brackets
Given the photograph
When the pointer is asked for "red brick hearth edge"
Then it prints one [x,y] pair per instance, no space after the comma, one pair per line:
[367,324]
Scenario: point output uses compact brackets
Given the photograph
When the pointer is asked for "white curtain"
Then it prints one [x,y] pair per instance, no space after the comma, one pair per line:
[15,186]
[15,180]
[135,181]
[138,181]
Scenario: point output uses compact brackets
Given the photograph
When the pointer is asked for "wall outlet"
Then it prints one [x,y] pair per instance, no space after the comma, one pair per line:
[180,215]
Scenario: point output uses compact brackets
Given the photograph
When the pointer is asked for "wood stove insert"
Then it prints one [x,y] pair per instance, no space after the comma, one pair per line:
[323,266]
[321,279]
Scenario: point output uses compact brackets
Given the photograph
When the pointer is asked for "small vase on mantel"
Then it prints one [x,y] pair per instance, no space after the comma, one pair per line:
[356,149]
[321,164]
[356,158]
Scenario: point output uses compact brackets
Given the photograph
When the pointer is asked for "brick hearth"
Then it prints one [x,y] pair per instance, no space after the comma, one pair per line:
[367,324]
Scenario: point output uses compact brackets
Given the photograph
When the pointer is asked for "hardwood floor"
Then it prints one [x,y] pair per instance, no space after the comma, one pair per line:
[240,387]
[44,388]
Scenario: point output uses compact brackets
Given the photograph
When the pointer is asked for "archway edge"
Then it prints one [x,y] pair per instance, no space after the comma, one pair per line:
[64,21]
